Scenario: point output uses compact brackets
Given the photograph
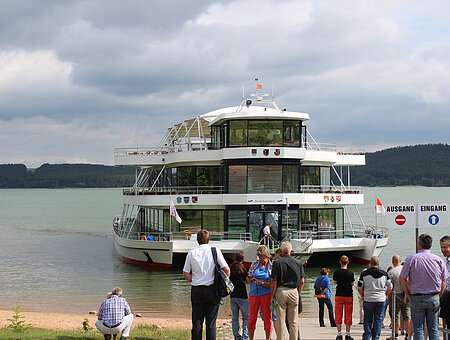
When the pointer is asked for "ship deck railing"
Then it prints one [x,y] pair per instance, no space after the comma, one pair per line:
[182,190]
[201,190]
[182,235]
[202,146]
[349,231]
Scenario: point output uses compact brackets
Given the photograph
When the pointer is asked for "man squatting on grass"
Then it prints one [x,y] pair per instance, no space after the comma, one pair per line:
[114,316]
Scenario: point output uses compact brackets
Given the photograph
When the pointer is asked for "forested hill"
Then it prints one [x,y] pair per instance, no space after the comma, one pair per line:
[427,165]
[65,176]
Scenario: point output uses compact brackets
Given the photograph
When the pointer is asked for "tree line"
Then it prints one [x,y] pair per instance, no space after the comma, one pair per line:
[65,176]
[425,165]
[421,165]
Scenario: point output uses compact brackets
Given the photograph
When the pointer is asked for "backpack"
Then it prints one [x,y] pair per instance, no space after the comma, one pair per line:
[318,290]
[222,284]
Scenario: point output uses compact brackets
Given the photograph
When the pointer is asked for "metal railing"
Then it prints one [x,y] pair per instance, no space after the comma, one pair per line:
[199,190]
[200,145]
[330,189]
[350,230]
[184,190]
[182,235]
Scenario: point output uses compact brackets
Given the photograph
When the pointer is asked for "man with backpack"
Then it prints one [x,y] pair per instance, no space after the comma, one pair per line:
[199,271]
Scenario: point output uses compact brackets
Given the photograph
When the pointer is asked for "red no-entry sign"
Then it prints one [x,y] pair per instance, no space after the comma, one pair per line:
[400,219]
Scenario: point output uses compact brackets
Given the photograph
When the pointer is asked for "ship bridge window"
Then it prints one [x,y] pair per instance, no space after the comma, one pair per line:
[291,133]
[265,133]
[238,133]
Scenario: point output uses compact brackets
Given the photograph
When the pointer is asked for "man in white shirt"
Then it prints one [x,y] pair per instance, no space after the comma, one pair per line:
[266,232]
[199,271]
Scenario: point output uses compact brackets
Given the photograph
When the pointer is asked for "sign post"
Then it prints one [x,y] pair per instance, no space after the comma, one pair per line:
[406,216]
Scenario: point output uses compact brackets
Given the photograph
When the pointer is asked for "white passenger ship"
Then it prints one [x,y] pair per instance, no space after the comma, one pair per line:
[233,171]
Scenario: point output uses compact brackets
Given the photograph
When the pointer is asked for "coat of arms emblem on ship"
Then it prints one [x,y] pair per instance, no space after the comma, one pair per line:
[186,199]
[194,199]
[254,152]
[266,152]
[276,152]
[179,199]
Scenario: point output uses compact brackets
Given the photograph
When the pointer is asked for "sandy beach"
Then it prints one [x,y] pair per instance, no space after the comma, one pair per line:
[73,321]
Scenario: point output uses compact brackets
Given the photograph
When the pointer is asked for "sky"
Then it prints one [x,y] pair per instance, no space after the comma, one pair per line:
[81,78]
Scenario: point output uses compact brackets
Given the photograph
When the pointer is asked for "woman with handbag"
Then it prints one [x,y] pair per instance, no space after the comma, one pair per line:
[239,298]
[259,294]
[322,291]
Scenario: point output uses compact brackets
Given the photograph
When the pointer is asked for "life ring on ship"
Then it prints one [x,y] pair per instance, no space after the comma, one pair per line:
[189,234]
[144,238]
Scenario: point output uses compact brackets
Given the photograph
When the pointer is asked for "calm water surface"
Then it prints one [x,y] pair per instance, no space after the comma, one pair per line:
[56,251]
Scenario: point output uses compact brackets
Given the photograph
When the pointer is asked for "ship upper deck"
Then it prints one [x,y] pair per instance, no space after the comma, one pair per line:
[251,130]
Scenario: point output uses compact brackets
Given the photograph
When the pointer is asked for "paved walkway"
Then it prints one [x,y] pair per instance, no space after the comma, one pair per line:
[310,330]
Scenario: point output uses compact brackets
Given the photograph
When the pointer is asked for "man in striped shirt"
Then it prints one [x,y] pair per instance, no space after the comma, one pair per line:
[114,316]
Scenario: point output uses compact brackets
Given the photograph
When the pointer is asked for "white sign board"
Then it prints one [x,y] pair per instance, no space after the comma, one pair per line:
[401,216]
[417,216]
[432,215]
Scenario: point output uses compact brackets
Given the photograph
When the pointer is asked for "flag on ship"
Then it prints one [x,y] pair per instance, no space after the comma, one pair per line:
[380,208]
[174,213]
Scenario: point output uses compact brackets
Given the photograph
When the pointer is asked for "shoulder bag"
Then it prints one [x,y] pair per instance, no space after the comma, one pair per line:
[222,284]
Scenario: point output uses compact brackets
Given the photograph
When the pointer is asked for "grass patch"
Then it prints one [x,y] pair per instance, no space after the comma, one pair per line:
[138,333]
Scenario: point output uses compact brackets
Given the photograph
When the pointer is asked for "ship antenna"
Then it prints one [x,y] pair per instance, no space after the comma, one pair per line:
[243,92]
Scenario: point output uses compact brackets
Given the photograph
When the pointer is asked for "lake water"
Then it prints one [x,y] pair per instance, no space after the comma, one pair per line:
[56,252]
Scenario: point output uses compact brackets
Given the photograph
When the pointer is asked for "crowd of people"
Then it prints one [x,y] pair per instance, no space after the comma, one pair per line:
[416,293]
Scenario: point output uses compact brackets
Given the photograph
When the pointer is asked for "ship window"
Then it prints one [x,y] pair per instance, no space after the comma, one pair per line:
[265,133]
[264,178]
[207,177]
[237,179]
[237,220]
[326,225]
[290,178]
[216,137]
[310,175]
[238,133]
[325,178]
[213,220]
[308,219]
[191,219]
[291,223]
[339,223]
[291,133]
[186,176]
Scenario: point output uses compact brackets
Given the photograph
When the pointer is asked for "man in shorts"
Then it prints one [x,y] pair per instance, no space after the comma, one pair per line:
[344,279]
[400,306]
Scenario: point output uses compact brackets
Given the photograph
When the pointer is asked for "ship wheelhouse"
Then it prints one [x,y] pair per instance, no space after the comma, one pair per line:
[236,169]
